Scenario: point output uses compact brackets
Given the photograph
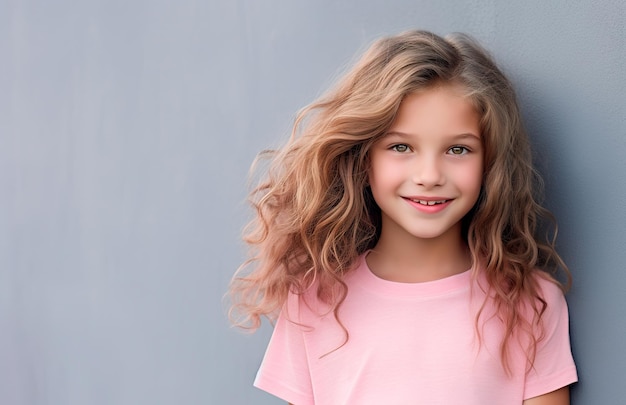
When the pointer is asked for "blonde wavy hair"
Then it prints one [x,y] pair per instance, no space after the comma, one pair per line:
[315,214]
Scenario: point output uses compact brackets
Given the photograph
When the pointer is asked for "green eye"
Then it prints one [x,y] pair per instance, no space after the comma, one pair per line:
[458,150]
[400,148]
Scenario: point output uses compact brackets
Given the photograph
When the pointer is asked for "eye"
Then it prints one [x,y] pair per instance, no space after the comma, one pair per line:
[401,148]
[458,150]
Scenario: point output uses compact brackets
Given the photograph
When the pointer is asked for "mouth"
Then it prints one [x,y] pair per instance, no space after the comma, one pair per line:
[428,202]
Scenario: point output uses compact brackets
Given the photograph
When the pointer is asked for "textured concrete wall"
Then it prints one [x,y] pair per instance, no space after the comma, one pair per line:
[126,132]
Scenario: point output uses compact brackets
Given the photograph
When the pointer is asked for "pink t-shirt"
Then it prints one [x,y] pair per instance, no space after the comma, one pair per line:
[410,344]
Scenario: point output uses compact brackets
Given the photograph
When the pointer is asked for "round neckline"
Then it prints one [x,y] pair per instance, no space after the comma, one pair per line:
[427,289]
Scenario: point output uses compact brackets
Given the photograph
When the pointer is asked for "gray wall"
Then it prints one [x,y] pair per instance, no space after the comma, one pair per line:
[126,132]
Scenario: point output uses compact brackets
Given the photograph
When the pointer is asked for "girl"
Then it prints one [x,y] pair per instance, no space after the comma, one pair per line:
[397,241]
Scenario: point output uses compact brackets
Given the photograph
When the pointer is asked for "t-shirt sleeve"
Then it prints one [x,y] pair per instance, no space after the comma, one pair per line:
[554,366]
[284,371]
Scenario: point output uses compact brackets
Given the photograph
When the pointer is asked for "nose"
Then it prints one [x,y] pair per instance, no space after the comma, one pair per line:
[428,172]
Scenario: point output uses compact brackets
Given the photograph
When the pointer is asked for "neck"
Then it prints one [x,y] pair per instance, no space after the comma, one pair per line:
[413,260]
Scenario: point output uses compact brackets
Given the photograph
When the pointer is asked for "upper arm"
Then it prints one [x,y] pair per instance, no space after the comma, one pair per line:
[284,371]
[558,397]
[553,369]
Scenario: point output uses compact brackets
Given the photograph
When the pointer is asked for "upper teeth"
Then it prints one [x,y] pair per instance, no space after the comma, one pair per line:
[424,202]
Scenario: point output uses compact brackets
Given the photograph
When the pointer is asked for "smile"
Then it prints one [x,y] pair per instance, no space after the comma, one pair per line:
[424,202]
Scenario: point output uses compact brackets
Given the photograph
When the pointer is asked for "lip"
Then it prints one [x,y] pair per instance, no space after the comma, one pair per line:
[429,209]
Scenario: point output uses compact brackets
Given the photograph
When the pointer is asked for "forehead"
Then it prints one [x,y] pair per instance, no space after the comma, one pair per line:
[441,109]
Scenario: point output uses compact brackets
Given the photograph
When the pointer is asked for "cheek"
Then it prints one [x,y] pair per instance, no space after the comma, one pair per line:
[379,171]
[382,179]
[472,178]
[478,180]
[374,180]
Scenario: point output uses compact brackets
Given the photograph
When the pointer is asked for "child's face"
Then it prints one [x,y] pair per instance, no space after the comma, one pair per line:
[426,172]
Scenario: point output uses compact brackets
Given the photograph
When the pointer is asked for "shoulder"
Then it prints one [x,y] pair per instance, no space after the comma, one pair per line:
[553,366]
[321,296]
[541,304]
[549,291]
[539,287]
[306,307]
[548,316]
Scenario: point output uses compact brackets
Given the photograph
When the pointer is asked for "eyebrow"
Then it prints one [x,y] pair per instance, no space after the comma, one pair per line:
[463,135]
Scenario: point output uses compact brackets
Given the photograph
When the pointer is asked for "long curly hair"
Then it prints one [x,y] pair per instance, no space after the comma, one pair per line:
[315,214]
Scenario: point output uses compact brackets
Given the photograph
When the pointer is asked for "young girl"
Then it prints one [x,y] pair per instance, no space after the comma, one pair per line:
[397,241]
